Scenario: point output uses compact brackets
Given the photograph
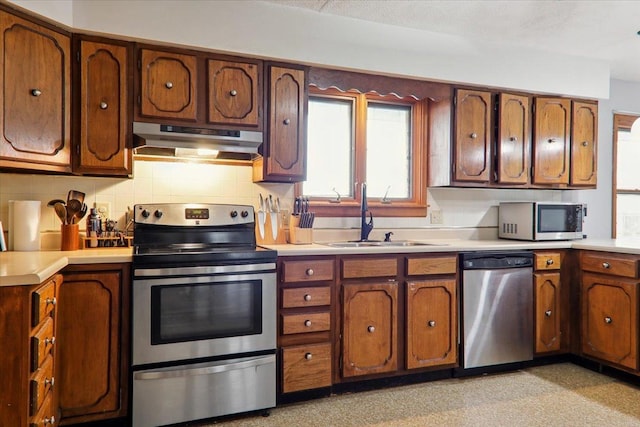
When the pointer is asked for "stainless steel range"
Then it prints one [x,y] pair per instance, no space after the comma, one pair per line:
[203,314]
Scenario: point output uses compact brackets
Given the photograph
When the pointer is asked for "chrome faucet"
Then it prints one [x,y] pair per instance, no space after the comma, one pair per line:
[365,228]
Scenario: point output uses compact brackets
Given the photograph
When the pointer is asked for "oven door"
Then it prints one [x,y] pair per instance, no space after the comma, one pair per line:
[202,312]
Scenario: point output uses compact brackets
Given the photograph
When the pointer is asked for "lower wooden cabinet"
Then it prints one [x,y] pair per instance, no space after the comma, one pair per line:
[94,333]
[306,367]
[547,312]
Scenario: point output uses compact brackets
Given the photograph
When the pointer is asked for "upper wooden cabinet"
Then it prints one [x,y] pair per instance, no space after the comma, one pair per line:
[103,145]
[35,113]
[513,145]
[168,85]
[284,150]
[551,146]
[584,144]
[472,136]
[234,93]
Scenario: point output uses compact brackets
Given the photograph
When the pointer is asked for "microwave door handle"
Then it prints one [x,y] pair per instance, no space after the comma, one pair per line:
[206,370]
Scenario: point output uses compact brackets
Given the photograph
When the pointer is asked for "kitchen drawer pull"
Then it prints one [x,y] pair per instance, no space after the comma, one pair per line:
[51,301]
[168,85]
[371,329]
[547,313]
[286,121]
[473,135]
[549,261]
[51,341]
[307,323]
[431,323]
[50,382]
[608,320]
[51,420]
[307,297]
[513,138]
[309,272]
[308,356]
[233,92]
[550,140]
[36,92]
[103,105]
[585,143]
[606,265]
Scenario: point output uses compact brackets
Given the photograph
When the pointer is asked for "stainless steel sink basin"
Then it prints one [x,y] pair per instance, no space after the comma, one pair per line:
[374,243]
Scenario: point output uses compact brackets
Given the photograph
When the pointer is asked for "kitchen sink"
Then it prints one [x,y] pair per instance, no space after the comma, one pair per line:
[378,243]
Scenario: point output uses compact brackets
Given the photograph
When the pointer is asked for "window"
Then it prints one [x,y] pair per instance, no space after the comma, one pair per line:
[355,138]
[626,178]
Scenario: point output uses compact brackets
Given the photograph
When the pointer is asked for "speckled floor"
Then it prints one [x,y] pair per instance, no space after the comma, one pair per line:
[554,395]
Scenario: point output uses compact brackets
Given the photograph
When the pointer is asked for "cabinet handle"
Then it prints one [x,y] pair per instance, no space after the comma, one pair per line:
[606,265]
[51,341]
[308,356]
[286,121]
[307,297]
[51,301]
[585,143]
[168,85]
[371,329]
[473,135]
[309,272]
[51,420]
[513,138]
[547,313]
[431,323]
[49,381]
[103,105]
[608,320]
[549,261]
[307,323]
[551,140]
[233,92]
[36,92]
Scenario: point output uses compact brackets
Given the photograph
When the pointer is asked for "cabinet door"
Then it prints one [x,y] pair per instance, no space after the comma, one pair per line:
[513,145]
[93,343]
[234,93]
[35,111]
[473,136]
[284,151]
[547,312]
[369,339]
[551,141]
[584,137]
[610,319]
[104,146]
[431,323]
[168,83]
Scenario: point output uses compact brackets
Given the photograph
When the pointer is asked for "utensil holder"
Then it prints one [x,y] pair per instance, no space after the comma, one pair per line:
[297,235]
[69,237]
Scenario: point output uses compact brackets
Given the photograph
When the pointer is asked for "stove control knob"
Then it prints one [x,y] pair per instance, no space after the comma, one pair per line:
[157,214]
[145,213]
[244,214]
[234,214]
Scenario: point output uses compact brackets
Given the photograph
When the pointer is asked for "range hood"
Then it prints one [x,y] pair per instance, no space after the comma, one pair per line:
[184,141]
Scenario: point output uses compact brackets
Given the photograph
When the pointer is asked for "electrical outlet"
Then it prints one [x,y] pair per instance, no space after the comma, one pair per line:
[436,216]
[103,209]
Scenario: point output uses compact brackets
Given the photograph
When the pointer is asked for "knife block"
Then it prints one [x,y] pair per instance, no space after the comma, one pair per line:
[297,235]
[269,238]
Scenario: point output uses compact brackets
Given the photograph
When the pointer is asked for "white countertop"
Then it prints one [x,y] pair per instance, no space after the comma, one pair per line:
[30,268]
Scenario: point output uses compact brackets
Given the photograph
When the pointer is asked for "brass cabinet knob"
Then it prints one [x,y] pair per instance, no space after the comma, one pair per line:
[431,323]
[103,105]
[307,323]
[51,420]
[608,320]
[513,138]
[49,381]
[547,313]
[168,85]
[585,143]
[309,272]
[286,121]
[36,92]
[307,297]
[549,261]
[51,301]
[371,329]
[308,356]
[473,135]
[606,265]
[551,140]
[233,92]
[51,341]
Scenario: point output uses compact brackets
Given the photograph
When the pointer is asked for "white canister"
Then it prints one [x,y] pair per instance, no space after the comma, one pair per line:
[24,225]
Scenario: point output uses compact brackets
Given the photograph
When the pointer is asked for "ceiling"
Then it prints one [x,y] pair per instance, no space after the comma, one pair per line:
[601,30]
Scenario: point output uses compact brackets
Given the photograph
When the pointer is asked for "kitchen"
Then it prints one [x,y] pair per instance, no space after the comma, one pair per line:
[464,210]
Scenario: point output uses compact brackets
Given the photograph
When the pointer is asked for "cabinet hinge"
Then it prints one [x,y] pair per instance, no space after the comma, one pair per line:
[139,64]
[340,363]
[78,149]
[78,56]
[139,100]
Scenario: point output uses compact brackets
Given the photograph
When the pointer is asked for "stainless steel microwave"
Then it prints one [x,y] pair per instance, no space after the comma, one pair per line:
[540,220]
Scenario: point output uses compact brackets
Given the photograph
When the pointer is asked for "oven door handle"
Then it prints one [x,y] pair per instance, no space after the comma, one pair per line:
[216,368]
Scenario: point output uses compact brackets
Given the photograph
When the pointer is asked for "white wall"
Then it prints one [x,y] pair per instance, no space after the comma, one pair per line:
[58,10]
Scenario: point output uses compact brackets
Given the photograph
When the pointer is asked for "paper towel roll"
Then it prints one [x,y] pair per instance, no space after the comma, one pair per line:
[24,225]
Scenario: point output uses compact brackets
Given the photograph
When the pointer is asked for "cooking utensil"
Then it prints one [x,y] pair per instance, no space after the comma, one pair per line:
[78,195]
[262,217]
[61,211]
[74,206]
[80,214]
[54,201]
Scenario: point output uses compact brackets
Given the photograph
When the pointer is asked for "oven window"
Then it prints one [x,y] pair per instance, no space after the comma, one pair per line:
[193,312]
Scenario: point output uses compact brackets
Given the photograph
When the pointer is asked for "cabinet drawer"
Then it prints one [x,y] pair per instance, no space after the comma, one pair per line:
[42,343]
[44,300]
[306,367]
[306,297]
[307,322]
[547,260]
[435,265]
[40,384]
[307,271]
[617,265]
[46,415]
[359,268]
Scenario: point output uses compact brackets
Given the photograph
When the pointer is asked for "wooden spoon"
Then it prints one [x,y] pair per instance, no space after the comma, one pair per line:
[73,207]
[61,211]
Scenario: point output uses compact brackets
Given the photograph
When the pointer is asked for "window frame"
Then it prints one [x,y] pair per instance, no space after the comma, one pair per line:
[416,204]
[621,121]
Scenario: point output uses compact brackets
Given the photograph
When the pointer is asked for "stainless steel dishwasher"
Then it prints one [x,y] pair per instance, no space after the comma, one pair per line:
[497,308]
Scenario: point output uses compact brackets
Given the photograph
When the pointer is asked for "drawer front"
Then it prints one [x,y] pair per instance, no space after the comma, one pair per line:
[44,301]
[308,271]
[547,260]
[306,367]
[306,297]
[46,415]
[303,323]
[359,268]
[610,264]
[40,384]
[42,343]
[435,265]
